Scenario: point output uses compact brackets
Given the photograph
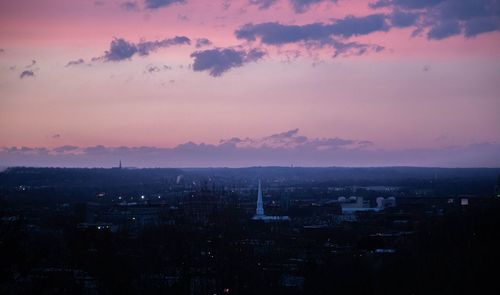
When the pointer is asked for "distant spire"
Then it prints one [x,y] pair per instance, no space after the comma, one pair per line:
[260,206]
[120,166]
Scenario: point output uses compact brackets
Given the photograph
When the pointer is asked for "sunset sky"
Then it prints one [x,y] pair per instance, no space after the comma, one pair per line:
[161,83]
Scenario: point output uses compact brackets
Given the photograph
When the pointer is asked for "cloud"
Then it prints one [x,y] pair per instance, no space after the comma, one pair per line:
[298,6]
[65,149]
[291,139]
[365,143]
[353,48]
[273,33]
[24,151]
[220,60]
[301,6]
[155,4]
[129,6]
[318,34]
[151,69]
[286,134]
[438,19]
[262,4]
[407,4]
[402,19]
[279,149]
[121,49]
[201,42]
[445,18]
[56,136]
[75,62]
[145,47]
[32,64]
[27,74]
[444,30]
[355,26]
[96,150]
[476,26]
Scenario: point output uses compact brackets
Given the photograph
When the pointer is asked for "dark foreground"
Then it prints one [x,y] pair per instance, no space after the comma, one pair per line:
[172,231]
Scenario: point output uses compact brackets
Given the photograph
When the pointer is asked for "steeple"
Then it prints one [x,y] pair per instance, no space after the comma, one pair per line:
[259,212]
[260,206]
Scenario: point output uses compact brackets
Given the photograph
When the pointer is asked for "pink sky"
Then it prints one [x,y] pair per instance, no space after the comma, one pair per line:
[417,93]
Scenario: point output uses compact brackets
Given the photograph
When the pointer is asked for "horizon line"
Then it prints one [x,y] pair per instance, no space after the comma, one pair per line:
[3,168]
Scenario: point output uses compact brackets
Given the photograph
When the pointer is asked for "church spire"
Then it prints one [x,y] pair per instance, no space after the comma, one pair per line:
[260,207]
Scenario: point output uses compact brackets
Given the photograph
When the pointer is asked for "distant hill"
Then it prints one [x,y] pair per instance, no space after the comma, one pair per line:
[84,177]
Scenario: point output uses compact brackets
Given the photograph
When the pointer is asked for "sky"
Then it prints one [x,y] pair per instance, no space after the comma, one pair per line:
[191,83]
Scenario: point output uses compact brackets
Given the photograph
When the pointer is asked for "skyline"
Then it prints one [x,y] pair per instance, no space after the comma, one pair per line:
[198,83]
[288,148]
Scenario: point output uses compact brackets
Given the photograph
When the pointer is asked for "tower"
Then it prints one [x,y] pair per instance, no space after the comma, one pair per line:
[260,207]
[120,166]
[259,211]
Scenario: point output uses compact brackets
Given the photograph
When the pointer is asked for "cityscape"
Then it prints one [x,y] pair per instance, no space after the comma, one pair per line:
[217,147]
[262,230]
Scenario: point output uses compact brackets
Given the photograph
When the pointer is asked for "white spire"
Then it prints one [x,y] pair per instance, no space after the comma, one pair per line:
[260,206]
[259,212]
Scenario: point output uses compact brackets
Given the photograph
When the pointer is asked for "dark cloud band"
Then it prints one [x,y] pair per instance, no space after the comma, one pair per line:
[281,149]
